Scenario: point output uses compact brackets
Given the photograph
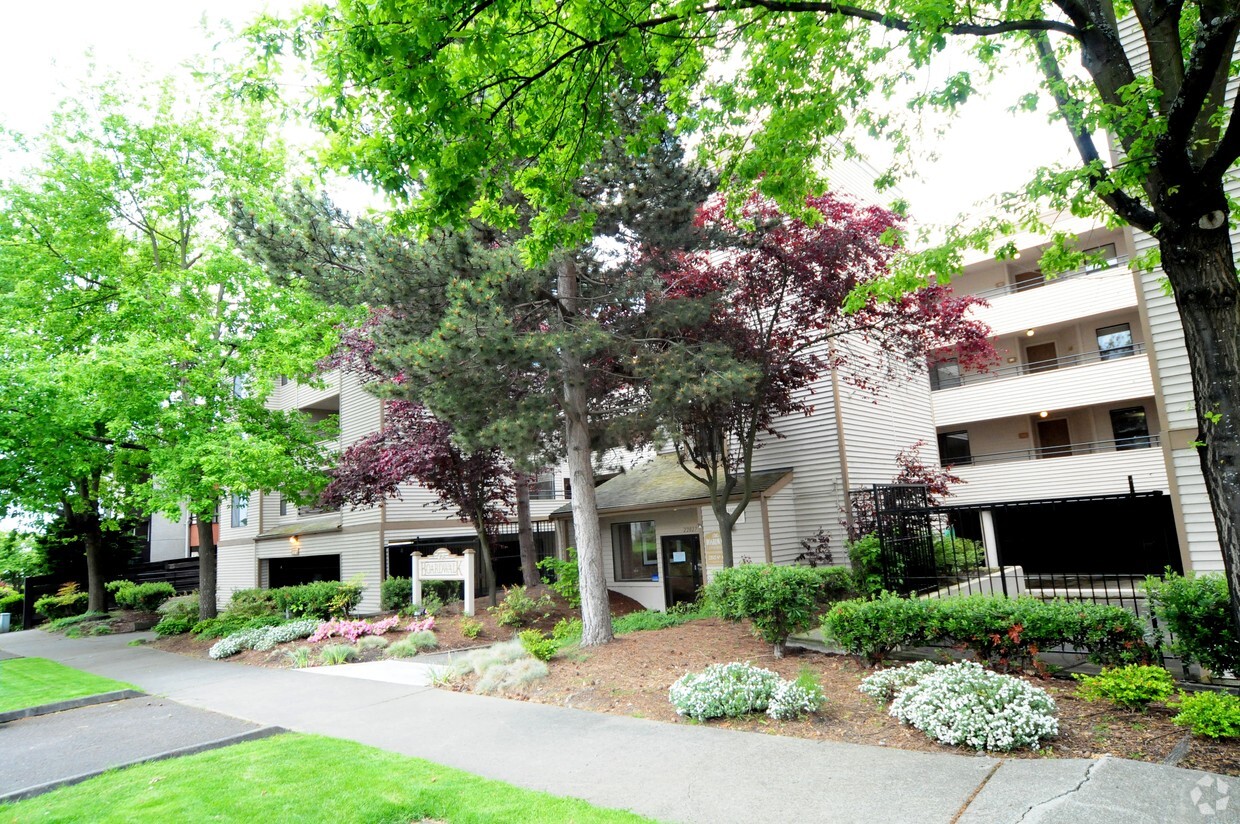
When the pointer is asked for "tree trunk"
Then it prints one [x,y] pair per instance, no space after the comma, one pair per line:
[207,557]
[488,568]
[92,537]
[525,533]
[1202,272]
[595,608]
[725,534]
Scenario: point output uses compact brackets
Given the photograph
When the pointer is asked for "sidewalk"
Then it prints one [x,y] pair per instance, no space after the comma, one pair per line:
[686,773]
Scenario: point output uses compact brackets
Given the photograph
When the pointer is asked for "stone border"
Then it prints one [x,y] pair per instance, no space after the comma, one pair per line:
[40,789]
[71,704]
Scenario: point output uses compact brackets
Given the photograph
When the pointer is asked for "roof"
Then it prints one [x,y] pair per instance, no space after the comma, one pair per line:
[661,483]
[310,526]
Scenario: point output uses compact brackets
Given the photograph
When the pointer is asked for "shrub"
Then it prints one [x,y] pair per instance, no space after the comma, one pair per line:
[140,597]
[396,594]
[1133,686]
[10,599]
[568,629]
[448,592]
[321,599]
[1197,611]
[253,603]
[886,683]
[723,691]
[470,627]
[229,623]
[865,553]
[963,703]
[373,642]
[1212,714]
[954,555]
[518,608]
[777,600]
[352,630]
[537,644]
[337,654]
[68,601]
[796,699]
[180,604]
[422,625]
[565,577]
[177,624]
[838,583]
[874,628]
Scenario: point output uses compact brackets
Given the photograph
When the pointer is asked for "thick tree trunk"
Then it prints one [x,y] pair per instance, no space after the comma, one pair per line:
[525,533]
[488,566]
[595,607]
[1202,272]
[92,537]
[725,534]
[207,557]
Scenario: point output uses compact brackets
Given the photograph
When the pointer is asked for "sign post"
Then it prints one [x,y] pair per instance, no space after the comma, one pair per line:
[442,565]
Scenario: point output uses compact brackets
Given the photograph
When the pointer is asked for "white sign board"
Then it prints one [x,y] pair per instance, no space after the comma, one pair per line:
[442,565]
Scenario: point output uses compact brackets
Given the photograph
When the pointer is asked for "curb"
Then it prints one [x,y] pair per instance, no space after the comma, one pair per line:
[40,789]
[71,704]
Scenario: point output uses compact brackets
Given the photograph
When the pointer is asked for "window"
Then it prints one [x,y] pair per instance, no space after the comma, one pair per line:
[1130,427]
[954,449]
[568,489]
[1029,280]
[945,374]
[283,505]
[543,487]
[1100,257]
[240,506]
[1115,341]
[635,552]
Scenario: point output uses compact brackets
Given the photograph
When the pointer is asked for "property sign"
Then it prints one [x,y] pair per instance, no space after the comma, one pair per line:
[442,565]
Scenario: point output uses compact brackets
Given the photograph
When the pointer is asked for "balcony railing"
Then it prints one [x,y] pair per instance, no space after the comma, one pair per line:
[1066,450]
[1013,288]
[938,380]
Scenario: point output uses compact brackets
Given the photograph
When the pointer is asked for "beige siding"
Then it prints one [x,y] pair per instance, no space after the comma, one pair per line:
[650,594]
[1105,473]
[236,569]
[1109,290]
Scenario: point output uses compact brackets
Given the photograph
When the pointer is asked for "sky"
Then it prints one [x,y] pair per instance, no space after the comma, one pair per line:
[46,51]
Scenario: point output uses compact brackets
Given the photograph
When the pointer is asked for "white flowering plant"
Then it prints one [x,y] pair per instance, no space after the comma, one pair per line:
[795,699]
[263,638]
[963,703]
[723,691]
[885,683]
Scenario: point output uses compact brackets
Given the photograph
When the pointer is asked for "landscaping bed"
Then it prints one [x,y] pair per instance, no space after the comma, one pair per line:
[631,676]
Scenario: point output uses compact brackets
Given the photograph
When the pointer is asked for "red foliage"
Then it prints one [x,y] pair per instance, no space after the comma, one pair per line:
[938,481]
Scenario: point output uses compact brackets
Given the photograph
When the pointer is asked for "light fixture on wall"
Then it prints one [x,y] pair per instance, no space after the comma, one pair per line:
[1043,414]
[1028,333]
[294,545]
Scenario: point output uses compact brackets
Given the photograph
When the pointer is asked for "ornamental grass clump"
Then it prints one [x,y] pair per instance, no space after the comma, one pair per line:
[723,691]
[886,683]
[337,654]
[964,704]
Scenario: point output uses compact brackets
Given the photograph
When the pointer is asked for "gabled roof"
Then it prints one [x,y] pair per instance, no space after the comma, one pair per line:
[662,483]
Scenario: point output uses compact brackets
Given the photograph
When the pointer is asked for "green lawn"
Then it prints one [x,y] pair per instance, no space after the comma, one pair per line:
[302,778]
[29,682]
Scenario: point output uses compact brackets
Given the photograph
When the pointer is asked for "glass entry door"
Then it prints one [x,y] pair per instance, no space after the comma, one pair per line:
[682,568]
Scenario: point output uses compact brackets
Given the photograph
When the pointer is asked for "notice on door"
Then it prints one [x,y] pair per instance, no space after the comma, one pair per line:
[678,557]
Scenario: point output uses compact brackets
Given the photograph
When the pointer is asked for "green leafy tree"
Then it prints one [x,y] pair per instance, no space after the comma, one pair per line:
[429,97]
[138,346]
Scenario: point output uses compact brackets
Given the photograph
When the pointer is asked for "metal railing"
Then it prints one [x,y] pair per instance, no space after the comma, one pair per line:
[939,382]
[1066,450]
[1028,286]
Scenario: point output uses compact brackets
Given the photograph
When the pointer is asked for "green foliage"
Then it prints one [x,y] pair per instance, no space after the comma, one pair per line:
[253,603]
[518,608]
[141,597]
[537,644]
[20,557]
[396,594]
[337,654]
[10,599]
[1196,610]
[298,657]
[777,600]
[564,578]
[229,624]
[954,555]
[321,599]
[1211,714]
[874,628]
[176,624]
[470,627]
[1132,687]
[797,698]
[67,601]
[70,621]
[865,553]
[1005,632]
[502,668]
[413,643]
[448,592]
[723,691]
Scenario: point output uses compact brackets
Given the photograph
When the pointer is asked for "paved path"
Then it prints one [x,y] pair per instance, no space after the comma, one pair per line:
[686,772]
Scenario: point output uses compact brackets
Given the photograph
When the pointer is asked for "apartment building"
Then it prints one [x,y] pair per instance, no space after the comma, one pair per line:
[1080,435]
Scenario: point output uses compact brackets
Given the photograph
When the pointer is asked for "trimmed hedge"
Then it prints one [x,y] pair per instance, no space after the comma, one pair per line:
[321,599]
[1004,632]
[140,597]
[1197,611]
[777,600]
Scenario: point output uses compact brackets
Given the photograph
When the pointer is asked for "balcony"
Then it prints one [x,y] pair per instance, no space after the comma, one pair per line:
[1069,296]
[1081,379]
[1098,468]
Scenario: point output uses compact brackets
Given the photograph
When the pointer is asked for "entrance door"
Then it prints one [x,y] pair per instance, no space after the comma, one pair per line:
[682,568]
[1041,358]
[1053,438]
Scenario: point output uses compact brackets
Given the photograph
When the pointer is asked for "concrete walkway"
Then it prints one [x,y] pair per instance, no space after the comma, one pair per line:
[686,772]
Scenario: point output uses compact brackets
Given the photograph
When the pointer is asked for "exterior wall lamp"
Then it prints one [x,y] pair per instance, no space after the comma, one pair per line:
[294,545]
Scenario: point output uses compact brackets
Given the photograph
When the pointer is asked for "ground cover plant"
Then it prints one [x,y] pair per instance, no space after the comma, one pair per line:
[1133,687]
[268,780]
[32,682]
[734,690]
[1210,714]
[264,637]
